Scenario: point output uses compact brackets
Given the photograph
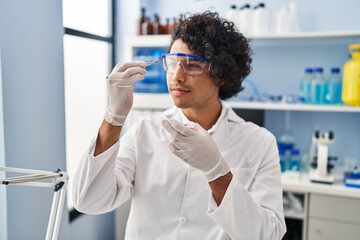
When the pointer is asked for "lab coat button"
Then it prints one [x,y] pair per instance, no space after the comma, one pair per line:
[183,220]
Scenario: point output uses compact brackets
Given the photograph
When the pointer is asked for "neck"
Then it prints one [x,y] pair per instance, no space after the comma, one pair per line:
[205,117]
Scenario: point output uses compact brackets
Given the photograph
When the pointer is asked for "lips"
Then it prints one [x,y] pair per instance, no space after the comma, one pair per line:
[178,91]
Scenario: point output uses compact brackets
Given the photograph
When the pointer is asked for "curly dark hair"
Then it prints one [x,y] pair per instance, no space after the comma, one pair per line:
[216,39]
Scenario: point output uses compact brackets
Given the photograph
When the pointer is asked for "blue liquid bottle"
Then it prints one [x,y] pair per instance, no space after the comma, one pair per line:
[334,87]
[318,87]
[305,85]
[282,156]
[294,162]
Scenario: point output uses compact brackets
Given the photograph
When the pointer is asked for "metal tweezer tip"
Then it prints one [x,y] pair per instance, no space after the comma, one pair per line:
[151,63]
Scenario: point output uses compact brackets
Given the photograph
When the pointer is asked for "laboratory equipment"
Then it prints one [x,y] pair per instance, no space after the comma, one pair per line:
[321,162]
[293,167]
[318,87]
[305,85]
[286,140]
[232,15]
[294,25]
[151,63]
[351,77]
[260,20]
[334,85]
[294,162]
[246,20]
[247,94]
[352,179]
[59,184]
[283,161]
[191,64]
[141,20]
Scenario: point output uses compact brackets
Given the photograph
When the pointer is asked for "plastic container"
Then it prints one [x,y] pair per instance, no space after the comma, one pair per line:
[294,162]
[260,20]
[351,77]
[232,14]
[334,87]
[318,87]
[282,156]
[305,85]
[294,25]
[246,20]
[282,21]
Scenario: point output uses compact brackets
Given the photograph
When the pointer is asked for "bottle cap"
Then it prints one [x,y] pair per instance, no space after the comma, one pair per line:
[245,6]
[335,70]
[295,151]
[308,70]
[281,151]
[318,70]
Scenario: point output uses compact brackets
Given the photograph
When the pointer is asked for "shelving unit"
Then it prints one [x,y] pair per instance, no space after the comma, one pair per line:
[164,40]
[163,101]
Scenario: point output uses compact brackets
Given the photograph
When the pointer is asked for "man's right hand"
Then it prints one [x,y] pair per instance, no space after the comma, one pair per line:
[120,87]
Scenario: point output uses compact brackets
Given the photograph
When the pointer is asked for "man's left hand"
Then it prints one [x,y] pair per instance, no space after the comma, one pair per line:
[195,146]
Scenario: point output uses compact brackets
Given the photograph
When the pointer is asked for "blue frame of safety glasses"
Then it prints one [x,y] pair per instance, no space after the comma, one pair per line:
[183,55]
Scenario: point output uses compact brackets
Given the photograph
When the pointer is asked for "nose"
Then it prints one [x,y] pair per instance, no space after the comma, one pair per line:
[179,74]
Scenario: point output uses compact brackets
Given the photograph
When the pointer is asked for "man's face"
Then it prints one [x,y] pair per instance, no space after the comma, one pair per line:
[190,91]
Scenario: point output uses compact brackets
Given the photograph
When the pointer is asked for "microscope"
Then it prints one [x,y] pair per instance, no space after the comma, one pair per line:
[321,162]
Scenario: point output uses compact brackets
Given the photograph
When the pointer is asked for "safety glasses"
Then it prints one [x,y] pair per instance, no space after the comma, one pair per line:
[191,64]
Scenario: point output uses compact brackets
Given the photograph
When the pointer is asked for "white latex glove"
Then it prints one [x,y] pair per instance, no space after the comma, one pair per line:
[195,146]
[120,87]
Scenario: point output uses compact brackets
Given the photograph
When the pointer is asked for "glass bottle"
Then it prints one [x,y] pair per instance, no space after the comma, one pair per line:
[294,162]
[146,27]
[141,21]
[334,87]
[282,157]
[318,87]
[156,26]
[305,85]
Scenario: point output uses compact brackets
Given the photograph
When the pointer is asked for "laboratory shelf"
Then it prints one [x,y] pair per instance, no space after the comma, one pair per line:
[163,100]
[294,107]
[308,35]
[164,40]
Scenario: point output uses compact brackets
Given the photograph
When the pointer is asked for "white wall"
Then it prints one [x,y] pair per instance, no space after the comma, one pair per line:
[31,39]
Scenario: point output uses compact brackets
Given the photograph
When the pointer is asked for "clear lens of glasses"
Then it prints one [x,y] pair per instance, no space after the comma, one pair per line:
[191,64]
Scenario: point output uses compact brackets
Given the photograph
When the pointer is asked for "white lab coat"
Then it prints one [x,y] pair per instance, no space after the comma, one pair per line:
[170,199]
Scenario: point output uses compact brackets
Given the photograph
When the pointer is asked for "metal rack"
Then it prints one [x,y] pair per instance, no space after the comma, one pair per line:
[59,184]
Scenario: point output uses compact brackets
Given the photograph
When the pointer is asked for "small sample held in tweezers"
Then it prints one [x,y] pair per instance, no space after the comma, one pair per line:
[151,63]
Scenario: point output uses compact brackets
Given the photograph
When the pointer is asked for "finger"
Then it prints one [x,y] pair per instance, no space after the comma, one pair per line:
[172,131]
[136,77]
[133,70]
[123,66]
[181,153]
[183,129]
[130,74]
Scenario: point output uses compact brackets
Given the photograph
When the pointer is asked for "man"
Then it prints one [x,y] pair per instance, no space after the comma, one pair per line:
[197,170]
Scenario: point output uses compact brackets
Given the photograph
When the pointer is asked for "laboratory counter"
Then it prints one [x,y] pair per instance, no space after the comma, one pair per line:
[318,211]
[304,185]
